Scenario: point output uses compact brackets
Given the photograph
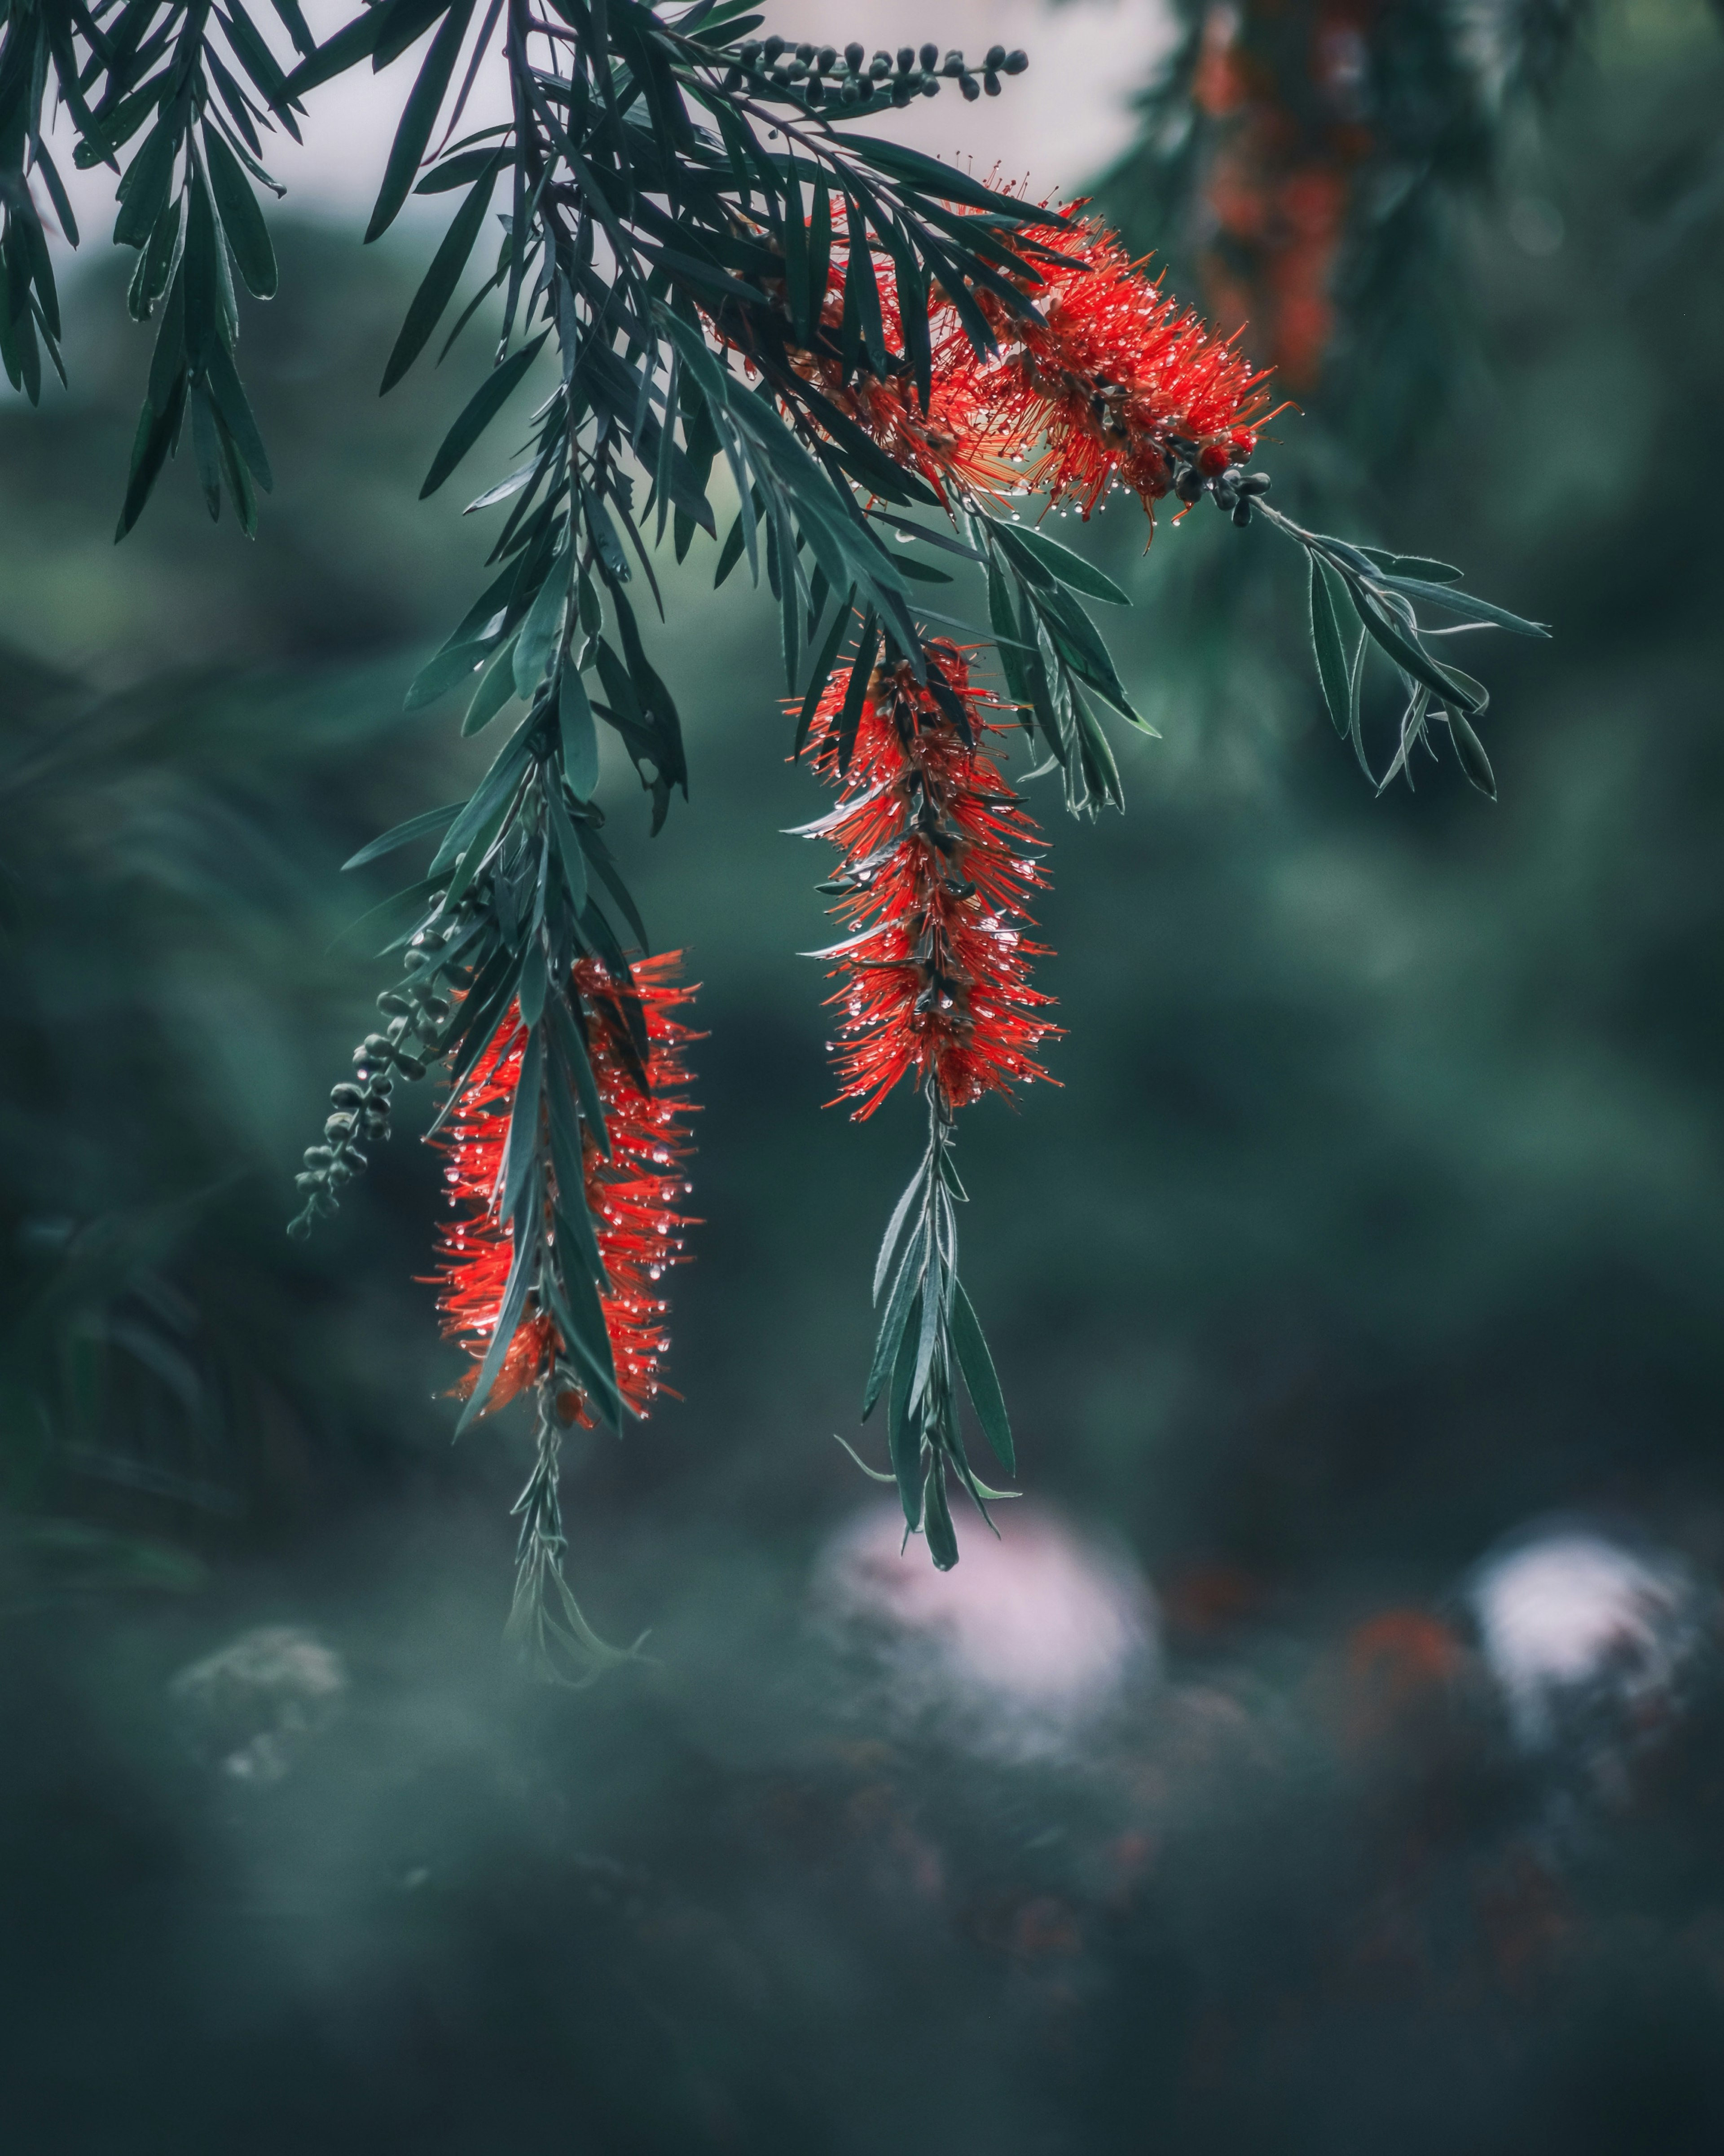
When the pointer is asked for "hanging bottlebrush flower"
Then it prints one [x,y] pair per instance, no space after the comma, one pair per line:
[938,859]
[1116,383]
[632,1198]
[629,1204]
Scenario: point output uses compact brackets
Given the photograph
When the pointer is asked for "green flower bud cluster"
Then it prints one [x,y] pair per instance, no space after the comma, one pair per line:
[414,1016]
[819,75]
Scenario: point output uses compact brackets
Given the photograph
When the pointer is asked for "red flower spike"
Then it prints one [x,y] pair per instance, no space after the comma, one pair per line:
[633,1198]
[937,860]
[1117,383]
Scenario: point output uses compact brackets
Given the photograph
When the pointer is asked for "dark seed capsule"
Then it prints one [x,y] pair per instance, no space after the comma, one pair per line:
[750,52]
[816,91]
[377,1048]
[393,1006]
[930,85]
[991,83]
[337,1127]
[339,1174]
[347,1094]
[1242,511]
[880,64]
[409,1066]
[852,92]
[1190,483]
[733,78]
[307,1181]
[318,1156]
[996,59]
[805,54]
[1014,62]
[826,58]
[953,65]
[906,59]
[902,93]
[971,88]
[1255,483]
[855,54]
[929,56]
[771,49]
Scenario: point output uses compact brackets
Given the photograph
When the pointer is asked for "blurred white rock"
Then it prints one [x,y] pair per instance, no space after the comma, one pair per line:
[1019,1651]
[250,1708]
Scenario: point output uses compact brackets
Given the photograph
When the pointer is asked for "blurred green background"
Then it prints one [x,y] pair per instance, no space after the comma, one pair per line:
[1377,1215]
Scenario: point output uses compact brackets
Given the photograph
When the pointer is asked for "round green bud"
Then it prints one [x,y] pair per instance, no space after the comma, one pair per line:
[971,88]
[771,49]
[929,86]
[1014,62]
[929,56]
[996,59]
[991,82]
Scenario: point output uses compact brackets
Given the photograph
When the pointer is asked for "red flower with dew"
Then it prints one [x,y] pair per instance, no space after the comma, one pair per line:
[938,859]
[953,441]
[633,1197]
[1117,384]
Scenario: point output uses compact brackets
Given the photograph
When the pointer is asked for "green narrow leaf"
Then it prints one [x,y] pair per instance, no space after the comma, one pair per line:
[1470,750]
[447,670]
[1326,641]
[822,674]
[904,1443]
[403,835]
[905,1288]
[937,1518]
[1060,561]
[849,716]
[580,734]
[242,218]
[496,686]
[796,254]
[148,177]
[419,117]
[438,287]
[981,1381]
[154,437]
[206,449]
[568,851]
[540,634]
[230,401]
[862,322]
[481,409]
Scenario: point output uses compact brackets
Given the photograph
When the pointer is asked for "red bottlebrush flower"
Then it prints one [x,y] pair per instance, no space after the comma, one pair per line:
[956,439]
[937,860]
[633,1197]
[1117,384]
